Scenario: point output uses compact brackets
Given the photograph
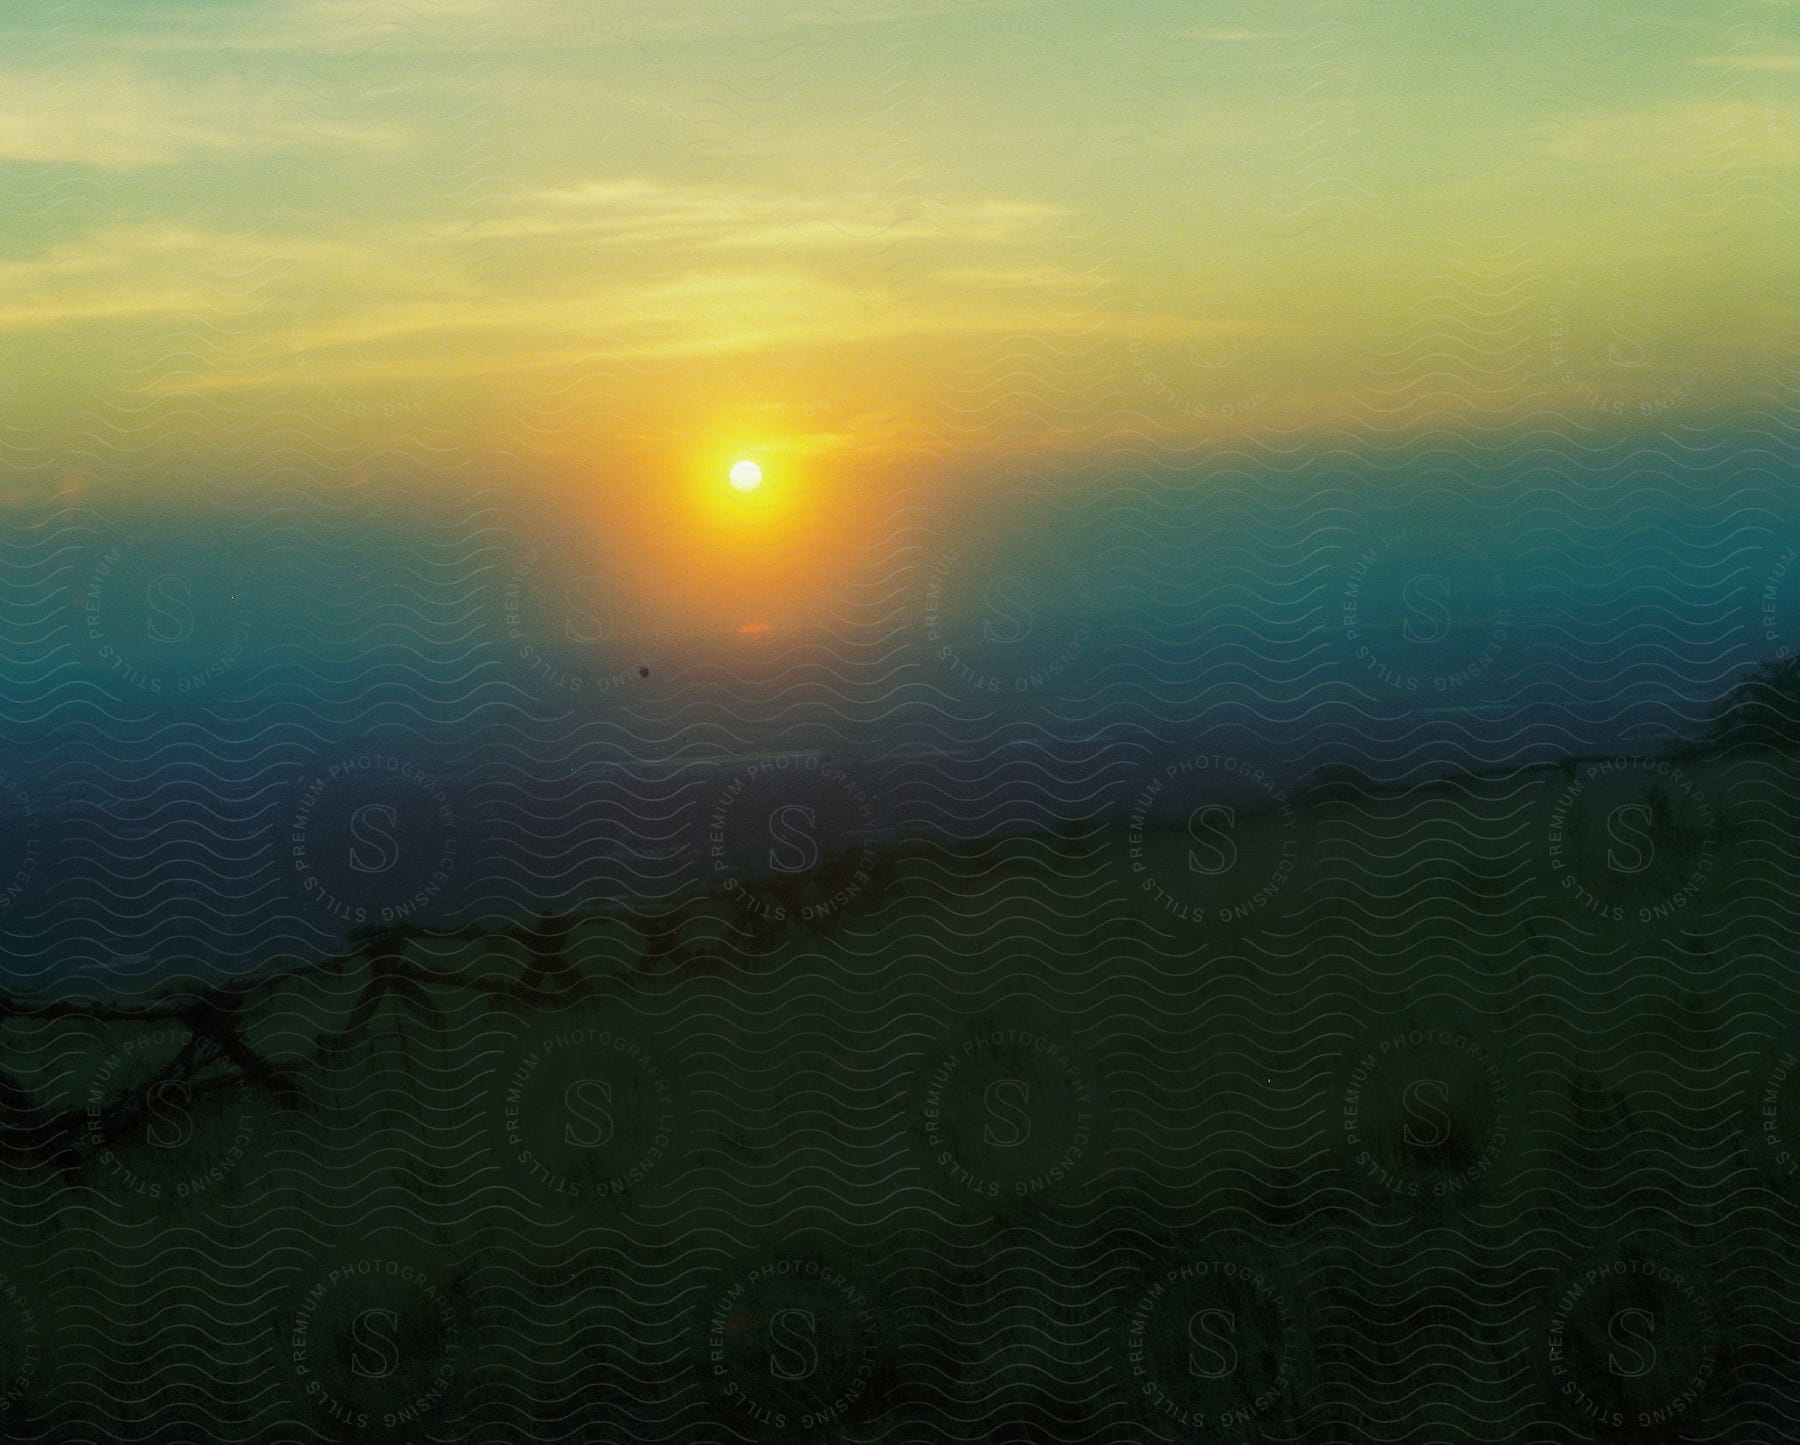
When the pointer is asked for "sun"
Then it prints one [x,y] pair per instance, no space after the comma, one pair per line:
[746,476]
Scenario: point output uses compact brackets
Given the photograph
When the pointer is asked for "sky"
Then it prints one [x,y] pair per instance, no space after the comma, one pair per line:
[1405,382]
[592,253]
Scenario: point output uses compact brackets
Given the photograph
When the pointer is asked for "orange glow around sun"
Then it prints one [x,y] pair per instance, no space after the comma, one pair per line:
[677,548]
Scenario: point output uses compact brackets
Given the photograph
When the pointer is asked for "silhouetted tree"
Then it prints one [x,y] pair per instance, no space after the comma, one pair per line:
[551,977]
[1762,711]
[383,948]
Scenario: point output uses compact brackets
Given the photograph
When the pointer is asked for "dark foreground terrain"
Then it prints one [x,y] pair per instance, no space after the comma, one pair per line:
[1466,1109]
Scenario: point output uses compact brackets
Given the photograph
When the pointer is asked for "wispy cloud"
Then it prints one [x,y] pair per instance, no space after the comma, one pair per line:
[1235,34]
[125,273]
[453,26]
[635,211]
[1026,277]
[1682,138]
[114,117]
[1770,62]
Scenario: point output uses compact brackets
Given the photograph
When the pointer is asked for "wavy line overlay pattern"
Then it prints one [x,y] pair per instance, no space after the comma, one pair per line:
[1314,966]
